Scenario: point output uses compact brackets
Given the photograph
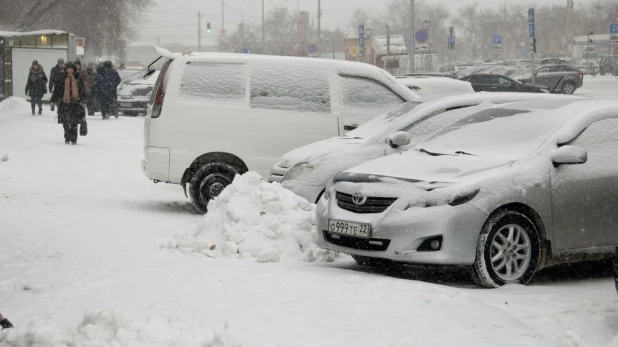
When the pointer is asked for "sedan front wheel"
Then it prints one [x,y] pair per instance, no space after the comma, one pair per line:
[508,251]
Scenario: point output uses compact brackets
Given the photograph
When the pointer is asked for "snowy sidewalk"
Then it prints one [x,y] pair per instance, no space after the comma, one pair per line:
[81,229]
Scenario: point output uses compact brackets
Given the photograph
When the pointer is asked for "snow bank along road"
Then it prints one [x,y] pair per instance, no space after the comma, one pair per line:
[81,230]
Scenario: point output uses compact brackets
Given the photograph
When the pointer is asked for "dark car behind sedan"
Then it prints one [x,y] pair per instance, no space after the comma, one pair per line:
[500,83]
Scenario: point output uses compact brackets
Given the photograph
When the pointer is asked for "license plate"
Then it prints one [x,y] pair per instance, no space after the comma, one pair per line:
[125,104]
[349,228]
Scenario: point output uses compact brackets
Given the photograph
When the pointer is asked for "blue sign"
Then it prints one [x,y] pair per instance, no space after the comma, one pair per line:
[313,48]
[498,40]
[422,36]
[522,51]
[613,29]
[451,40]
[245,51]
[531,31]
[361,36]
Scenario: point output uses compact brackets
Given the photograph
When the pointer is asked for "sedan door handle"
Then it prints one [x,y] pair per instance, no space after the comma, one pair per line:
[349,127]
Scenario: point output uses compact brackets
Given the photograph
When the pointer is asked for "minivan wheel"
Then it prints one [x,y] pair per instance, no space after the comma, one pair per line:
[568,88]
[208,182]
[508,251]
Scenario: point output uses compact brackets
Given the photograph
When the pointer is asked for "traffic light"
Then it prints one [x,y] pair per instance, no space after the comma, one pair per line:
[208,27]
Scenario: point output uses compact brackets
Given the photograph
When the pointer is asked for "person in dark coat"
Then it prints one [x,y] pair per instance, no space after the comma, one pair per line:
[106,84]
[88,75]
[36,86]
[56,74]
[71,93]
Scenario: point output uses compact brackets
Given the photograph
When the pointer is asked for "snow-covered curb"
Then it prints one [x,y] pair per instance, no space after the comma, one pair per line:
[114,328]
[256,219]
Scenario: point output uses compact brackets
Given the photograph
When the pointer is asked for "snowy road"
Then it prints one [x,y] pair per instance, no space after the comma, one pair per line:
[82,229]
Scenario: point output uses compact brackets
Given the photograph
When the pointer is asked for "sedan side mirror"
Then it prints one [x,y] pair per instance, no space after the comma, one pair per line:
[569,155]
[398,139]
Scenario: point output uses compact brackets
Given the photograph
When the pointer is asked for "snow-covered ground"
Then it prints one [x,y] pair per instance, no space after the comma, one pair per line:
[599,87]
[83,262]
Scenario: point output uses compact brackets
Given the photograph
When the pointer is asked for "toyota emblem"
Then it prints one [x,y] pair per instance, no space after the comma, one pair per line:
[358,199]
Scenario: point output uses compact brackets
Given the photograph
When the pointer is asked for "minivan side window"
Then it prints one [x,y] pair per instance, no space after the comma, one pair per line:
[290,87]
[214,82]
[365,97]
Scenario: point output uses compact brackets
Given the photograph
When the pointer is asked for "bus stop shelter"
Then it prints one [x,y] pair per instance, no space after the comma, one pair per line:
[19,49]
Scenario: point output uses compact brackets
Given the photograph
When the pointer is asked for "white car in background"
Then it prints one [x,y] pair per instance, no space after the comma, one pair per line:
[134,95]
[428,86]
[307,170]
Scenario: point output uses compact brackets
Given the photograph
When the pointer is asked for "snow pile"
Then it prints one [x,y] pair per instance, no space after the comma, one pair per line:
[5,158]
[114,328]
[256,219]
[13,103]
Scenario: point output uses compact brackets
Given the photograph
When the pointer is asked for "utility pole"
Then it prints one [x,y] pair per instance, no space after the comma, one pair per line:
[319,27]
[411,48]
[199,31]
[222,14]
[263,32]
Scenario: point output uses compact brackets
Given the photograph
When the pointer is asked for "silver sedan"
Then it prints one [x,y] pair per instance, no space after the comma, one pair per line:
[505,192]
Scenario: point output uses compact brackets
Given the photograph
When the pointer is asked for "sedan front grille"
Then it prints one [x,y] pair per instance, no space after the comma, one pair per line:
[377,245]
[371,205]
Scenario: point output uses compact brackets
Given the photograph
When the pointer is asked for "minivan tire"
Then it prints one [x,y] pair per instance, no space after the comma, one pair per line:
[568,88]
[489,275]
[208,181]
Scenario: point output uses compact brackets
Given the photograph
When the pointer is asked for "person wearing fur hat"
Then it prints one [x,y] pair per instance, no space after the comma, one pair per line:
[36,86]
[70,93]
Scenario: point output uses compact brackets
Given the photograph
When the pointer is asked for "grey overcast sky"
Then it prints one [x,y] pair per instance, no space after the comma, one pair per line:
[176,20]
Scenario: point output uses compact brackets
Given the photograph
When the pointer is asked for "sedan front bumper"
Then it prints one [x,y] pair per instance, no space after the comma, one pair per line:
[397,235]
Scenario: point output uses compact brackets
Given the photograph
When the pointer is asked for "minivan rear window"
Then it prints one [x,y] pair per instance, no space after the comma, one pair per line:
[214,82]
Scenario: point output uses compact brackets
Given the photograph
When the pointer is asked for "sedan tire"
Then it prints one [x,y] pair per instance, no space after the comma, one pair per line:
[508,250]
[568,88]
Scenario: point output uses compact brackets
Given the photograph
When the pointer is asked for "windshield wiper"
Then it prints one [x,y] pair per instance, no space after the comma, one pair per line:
[423,150]
[465,153]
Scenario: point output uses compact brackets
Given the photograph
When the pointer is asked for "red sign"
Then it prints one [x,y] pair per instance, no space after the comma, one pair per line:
[80,41]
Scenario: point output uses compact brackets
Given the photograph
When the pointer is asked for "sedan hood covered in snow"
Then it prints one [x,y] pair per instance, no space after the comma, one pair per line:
[422,167]
[318,149]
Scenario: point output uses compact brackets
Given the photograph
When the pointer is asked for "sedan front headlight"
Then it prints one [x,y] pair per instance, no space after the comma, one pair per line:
[436,199]
[297,170]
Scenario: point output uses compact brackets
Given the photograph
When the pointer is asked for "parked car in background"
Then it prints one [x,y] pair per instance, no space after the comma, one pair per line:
[608,64]
[588,68]
[558,78]
[499,83]
[134,95]
[549,61]
[432,74]
[307,170]
[213,115]
[498,191]
[428,86]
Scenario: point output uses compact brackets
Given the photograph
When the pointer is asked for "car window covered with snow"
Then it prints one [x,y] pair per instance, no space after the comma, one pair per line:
[364,97]
[290,87]
[383,121]
[214,82]
[506,132]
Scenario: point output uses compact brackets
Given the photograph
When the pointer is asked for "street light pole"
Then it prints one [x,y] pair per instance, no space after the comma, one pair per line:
[411,48]
[263,35]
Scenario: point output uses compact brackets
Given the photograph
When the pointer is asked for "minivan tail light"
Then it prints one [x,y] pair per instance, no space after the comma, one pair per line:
[580,74]
[159,95]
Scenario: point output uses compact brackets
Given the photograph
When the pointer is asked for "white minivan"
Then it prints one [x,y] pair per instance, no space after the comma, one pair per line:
[215,115]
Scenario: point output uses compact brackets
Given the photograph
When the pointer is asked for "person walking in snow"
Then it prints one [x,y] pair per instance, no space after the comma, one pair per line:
[106,84]
[4,323]
[36,86]
[56,74]
[89,75]
[71,93]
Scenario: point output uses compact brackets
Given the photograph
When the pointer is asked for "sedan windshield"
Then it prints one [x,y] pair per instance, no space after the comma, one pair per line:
[508,132]
[382,122]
